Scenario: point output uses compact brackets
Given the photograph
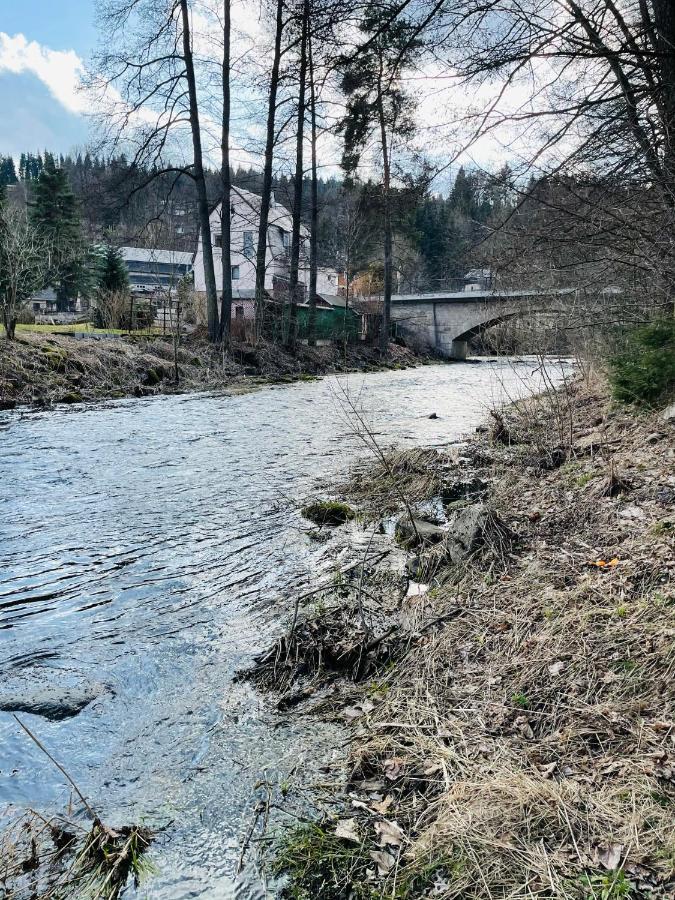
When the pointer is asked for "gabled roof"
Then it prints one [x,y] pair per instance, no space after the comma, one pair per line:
[333,299]
[279,215]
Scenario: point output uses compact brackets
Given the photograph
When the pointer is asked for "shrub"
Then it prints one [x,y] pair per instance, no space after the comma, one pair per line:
[25,316]
[643,370]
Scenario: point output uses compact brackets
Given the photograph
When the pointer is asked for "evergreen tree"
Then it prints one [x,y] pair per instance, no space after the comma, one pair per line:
[7,171]
[113,275]
[54,213]
[378,107]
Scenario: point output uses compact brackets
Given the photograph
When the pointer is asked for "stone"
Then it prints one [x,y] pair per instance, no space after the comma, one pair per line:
[433,416]
[589,441]
[467,528]
[72,397]
[463,489]
[668,414]
[421,533]
[51,702]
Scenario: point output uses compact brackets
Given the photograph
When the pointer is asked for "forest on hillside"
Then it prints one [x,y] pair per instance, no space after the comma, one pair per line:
[437,238]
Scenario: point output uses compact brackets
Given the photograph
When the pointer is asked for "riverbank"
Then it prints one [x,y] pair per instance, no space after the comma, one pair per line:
[40,370]
[505,665]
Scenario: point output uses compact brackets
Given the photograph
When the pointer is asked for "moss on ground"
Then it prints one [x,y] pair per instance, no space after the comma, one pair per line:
[328,512]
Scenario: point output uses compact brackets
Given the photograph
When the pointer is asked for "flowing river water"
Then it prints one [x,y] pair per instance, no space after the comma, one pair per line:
[147,547]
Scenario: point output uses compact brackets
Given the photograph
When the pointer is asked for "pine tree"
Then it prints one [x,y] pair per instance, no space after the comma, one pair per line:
[54,213]
[378,107]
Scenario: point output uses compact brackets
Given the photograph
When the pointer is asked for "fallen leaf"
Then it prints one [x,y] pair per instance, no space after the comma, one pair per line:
[347,830]
[383,805]
[393,767]
[384,860]
[609,856]
[389,833]
[556,667]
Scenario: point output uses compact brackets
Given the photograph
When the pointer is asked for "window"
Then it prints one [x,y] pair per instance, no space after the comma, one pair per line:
[239,312]
[286,239]
[217,240]
[248,243]
[234,273]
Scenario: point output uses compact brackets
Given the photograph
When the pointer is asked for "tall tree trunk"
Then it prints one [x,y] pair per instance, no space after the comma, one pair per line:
[314,214]
[386,220]
[298,185]
[226,299]
[663,30]
[261,254]
[200,182]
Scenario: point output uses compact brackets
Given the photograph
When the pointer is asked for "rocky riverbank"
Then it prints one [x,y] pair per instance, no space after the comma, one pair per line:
[40,369]
[500,645]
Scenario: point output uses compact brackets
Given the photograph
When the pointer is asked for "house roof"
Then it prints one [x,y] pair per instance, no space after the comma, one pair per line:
[279,215]
[333,299]
[142,254]
[46,294]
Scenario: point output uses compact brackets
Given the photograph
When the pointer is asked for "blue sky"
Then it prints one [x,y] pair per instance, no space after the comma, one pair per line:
[42,43]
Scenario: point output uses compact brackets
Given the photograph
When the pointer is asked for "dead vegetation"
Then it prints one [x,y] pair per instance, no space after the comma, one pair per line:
[41,369]
[56,858]
[524,746]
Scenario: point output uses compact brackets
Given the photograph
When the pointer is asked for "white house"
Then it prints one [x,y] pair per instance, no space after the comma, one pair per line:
[244,225]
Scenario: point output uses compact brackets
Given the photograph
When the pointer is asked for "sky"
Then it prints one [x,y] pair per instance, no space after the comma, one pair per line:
[43,46]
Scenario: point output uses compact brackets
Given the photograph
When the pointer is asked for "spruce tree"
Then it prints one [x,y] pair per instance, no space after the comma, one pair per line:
[54,213]
[7,171]
[113,276]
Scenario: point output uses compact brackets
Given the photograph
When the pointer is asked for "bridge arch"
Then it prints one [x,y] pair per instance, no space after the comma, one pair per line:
[447,322]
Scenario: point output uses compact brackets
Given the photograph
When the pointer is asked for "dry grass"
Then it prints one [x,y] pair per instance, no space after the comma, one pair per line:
[42,369]
[57,859]
[527,747]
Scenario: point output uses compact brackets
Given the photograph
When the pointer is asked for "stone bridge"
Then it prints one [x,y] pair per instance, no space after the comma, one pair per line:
[446,322]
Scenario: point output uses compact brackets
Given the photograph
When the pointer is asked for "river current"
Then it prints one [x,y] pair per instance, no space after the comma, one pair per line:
[149,547]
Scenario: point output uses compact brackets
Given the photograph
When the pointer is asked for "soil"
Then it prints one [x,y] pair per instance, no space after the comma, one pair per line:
[512,714]
[40,369]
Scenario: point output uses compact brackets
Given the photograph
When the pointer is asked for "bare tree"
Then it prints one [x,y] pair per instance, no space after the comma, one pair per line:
[298,180]
[270,141]
[146,82]
[24,264]
[598,79]
[226,300]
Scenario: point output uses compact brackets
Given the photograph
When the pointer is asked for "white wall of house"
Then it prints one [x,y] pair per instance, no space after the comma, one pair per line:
[244,223]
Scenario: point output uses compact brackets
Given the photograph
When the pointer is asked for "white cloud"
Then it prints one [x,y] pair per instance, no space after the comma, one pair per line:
[60,70]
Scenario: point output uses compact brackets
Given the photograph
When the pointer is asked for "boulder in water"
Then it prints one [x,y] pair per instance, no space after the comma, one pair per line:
[51,701]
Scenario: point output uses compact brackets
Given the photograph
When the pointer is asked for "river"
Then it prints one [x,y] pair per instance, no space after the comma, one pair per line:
[148,546]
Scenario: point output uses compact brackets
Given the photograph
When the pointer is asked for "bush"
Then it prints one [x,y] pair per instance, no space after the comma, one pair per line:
[643,370]
[25,316]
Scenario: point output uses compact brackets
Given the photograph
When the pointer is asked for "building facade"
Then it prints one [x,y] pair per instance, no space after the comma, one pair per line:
[155,273]
[244,226]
